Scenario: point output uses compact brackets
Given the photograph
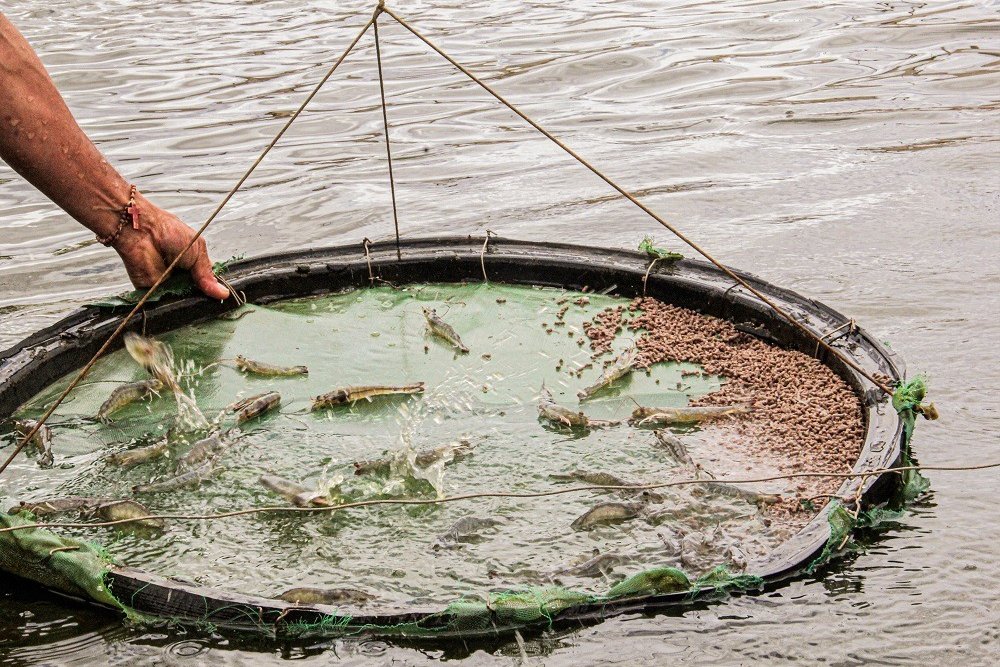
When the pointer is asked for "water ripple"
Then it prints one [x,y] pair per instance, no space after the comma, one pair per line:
[846,149]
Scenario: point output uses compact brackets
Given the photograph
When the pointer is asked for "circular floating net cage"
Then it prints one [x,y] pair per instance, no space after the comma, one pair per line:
[455,506]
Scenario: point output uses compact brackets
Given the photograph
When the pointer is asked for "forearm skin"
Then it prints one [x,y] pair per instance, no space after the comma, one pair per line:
[40,140]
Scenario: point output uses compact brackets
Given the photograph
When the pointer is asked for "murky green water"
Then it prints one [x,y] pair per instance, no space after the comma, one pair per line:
[402,555]
[846,150]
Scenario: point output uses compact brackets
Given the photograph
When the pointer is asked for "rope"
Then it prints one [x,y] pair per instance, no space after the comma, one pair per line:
[851,327]
[646,276]
[368,258]
[373,22]
[625,193]
[201,230]
[239,297]
[857,508]
[492,494]
[482,253]
[385,123]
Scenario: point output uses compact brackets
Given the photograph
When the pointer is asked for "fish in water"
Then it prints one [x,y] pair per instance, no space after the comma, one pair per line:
[52,506]
[244,402]
[193,477]
[606,513]
[212,446]
[155,357]
[674,445]
[258,406]
[119,510]
[466,528]
[134,457]
[619,368]
[126,395]
[647,496]
[457,451]
[158,361]
[558,414]
[596,478]
[295,493]
[734,491]
[42,440]
[664,416]
[350,395]
[237,314]
[332,596]
[443,330]
[599,565]
[452,451]
[252,367]
[607,479]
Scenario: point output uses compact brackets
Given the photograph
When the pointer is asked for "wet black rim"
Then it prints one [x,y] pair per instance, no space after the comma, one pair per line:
[47,355]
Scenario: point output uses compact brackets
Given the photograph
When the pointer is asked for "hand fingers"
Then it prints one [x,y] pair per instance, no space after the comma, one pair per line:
[201,273]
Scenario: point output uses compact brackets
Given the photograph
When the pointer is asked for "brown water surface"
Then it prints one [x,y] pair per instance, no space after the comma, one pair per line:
[847,150]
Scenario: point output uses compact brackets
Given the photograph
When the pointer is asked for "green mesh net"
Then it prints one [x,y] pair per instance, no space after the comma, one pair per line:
[841,523]
[722,580]
[907,400]
[513,609]
[656,581]
[80,569]
[60,563]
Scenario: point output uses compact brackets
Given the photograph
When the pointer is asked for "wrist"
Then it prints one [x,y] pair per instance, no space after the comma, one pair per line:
[138,224]
[127,215]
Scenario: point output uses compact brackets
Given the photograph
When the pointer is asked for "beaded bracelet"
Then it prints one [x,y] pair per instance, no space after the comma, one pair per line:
[128,214]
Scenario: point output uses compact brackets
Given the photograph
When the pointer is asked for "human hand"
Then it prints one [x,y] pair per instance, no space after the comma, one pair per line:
[161,236]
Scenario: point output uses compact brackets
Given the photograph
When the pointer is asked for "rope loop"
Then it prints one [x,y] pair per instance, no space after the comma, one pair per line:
[482,254]
[368,258]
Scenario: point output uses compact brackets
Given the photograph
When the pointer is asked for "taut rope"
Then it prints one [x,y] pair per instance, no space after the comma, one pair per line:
[373,22]
[490,494]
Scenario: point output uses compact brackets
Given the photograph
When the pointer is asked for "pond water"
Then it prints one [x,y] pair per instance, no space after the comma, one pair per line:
[845,150]
[403,556]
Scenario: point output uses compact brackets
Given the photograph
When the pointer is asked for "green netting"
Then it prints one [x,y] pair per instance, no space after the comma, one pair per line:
[656,581]
[721,579]
[842,524]
[513,609]
[907,401]
[658,253]
[61,563]
[329,626]
[537,606]
[79,568]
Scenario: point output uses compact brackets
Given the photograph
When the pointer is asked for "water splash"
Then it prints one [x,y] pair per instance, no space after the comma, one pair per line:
[158,360]
[429,465]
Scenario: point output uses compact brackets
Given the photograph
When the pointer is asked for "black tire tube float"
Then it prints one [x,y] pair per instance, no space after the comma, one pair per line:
[42,358]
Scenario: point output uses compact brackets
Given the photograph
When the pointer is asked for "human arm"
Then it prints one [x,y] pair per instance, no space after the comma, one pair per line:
[40,140]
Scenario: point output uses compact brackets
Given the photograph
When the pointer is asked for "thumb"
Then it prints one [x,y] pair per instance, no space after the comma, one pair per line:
[201,273]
